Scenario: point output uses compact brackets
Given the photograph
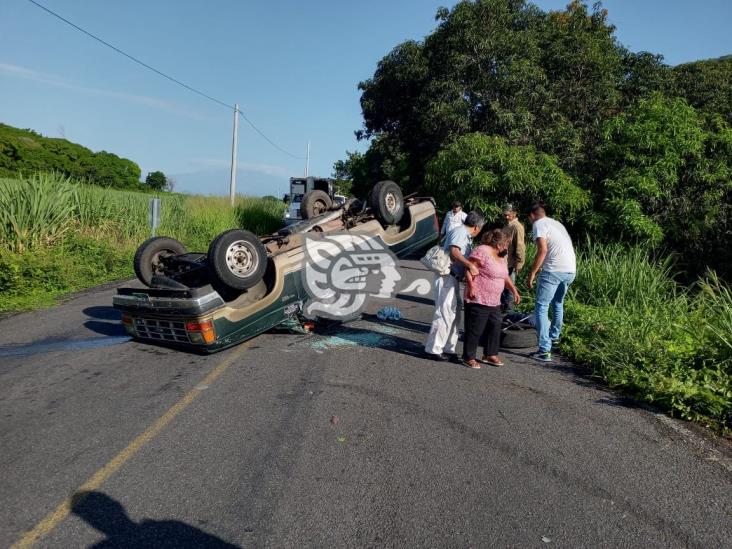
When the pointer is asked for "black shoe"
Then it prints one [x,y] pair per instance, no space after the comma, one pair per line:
[442,357]
[452,357]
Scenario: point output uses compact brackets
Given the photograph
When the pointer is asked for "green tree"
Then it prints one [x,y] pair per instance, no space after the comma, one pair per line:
[25,151]
[485,172]
[707,86]
[156,181]
[645,73]
[668,179]
[501,67]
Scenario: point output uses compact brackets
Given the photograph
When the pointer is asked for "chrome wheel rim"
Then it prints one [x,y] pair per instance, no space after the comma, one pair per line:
[241,258]
[391,202]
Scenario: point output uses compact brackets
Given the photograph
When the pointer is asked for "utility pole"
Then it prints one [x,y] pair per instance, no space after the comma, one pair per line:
[307,161]
[232,181]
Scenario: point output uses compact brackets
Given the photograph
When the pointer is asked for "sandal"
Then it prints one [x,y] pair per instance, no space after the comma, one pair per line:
[492,361]
[472,364]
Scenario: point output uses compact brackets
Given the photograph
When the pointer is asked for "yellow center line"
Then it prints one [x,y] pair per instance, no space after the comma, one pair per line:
[62,511]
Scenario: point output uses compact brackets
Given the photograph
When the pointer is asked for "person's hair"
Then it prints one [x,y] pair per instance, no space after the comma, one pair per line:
[474,219]
[493,238]
[537,207]
[457,204]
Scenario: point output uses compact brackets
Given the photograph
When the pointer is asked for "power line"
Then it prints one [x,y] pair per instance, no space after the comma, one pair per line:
[168,77]
[275,145]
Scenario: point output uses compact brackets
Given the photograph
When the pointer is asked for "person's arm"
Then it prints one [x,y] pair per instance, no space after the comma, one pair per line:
[520,249]
[445,223]
[458,257]
[512,288]
[541,249]
[469,285]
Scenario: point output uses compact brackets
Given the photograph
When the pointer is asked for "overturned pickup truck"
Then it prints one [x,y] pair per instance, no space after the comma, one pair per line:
[245,284]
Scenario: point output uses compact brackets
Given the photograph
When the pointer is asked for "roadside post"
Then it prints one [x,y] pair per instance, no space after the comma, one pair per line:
[154,217]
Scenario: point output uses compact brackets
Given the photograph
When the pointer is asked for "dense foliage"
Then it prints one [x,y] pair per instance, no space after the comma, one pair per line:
[644,148]
[492,173]
[27,152]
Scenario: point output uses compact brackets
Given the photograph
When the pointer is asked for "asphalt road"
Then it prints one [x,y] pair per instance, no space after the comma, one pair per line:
[344,438]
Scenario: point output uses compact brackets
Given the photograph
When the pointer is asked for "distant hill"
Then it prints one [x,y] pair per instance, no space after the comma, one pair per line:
[27,151]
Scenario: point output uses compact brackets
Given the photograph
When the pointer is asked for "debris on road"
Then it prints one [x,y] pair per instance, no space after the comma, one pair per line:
[389,313]
[335,420]
[545,539]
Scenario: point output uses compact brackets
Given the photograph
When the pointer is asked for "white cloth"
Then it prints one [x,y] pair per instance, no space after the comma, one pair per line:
[443,335]
[560,256]
[453,220]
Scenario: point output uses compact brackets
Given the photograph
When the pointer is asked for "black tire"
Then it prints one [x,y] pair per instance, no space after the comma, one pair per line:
[315,203]
[387,202]
[237,259]
[519,336]
[148,256]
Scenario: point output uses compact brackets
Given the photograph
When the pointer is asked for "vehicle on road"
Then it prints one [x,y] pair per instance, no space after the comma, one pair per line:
[245,284]
[310,197]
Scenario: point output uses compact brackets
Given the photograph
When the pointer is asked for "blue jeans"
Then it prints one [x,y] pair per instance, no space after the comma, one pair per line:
[507,300]
[550,290]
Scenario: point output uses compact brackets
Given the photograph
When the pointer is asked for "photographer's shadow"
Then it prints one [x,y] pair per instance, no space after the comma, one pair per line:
[109,517]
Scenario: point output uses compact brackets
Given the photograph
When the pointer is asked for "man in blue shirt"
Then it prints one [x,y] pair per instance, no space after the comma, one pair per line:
[442,340]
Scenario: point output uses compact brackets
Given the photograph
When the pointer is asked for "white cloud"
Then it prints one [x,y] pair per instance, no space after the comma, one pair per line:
[53,80]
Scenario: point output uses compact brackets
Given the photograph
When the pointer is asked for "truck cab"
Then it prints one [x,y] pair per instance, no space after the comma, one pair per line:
[301,186]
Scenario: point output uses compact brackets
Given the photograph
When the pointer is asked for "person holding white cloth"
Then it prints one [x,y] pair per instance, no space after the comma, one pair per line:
[442,340]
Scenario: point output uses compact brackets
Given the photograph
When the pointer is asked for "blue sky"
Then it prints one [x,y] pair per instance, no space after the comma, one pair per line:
[292,66]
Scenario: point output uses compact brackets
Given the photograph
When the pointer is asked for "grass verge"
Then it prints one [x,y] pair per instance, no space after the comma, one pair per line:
[59,236]
[642,333]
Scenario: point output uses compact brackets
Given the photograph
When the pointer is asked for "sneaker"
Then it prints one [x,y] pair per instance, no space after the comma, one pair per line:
[541,356]
[555,345]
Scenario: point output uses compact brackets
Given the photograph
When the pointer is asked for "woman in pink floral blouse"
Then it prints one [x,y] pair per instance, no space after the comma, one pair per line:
[483,299]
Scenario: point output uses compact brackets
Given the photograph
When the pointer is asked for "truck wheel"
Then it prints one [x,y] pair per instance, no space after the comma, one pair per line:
[314,203]
[237,259]
[519,336]
[148,257]
[387,202]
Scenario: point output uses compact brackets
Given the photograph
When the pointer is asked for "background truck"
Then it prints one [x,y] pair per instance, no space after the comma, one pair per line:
[310,197]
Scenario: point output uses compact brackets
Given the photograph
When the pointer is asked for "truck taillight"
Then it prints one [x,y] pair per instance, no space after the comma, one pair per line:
[201,331]
[437,223]
[129,324]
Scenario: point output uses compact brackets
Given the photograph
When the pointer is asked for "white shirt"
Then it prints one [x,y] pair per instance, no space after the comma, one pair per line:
[560,256]
[453,220]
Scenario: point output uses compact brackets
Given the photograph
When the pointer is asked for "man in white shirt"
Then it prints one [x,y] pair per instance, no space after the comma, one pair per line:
[454,218]
[556,259]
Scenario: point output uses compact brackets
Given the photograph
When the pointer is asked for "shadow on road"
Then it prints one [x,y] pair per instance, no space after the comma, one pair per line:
[416,299]
[105,328]
[103,313]
[108,516]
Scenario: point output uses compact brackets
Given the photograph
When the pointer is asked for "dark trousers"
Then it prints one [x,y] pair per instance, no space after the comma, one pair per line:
[482,325]
[507,301]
